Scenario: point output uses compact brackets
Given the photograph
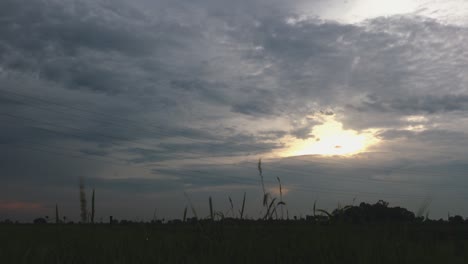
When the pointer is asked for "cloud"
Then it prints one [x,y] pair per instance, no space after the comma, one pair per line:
[234,146]
[428,104]
[394,134]
[302,133]
[93,152]
[67,26]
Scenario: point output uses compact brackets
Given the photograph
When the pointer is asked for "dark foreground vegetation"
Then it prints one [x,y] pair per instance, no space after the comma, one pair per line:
[230,243]
[354,234]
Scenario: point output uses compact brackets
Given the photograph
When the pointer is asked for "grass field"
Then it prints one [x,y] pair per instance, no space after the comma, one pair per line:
[254,242]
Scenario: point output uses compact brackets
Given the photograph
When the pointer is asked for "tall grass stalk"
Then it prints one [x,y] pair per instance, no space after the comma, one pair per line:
[211,208]
[269,212]
[260,172]
[324,212]
[57,218]
[232,206]
[315,203]
[424,207]
[191,205]
[92,208]
[243,206]
[281,197]
[83,209]
[155,216]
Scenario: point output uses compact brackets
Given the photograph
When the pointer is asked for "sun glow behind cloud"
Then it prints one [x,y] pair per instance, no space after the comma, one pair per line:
[352,11]
[355,11]
[331,139]
[364,9]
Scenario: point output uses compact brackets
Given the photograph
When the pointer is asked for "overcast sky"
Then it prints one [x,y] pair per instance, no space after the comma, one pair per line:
[147,99]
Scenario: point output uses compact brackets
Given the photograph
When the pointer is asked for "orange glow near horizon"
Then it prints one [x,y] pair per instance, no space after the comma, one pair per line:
[19,206]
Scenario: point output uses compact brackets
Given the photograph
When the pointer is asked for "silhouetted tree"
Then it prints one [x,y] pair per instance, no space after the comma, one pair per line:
[57,219]
[372,213]
[92,208]
[40,221]
[456,220]
[83,210]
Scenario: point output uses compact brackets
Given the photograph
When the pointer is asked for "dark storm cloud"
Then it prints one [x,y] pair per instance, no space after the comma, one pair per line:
[85,44]
[394,134]
[149,155]
[231,147]
[254,108]
[179,179]
[41,167]
[8,101]
[41,27]
[272,135]
[325,61]
[435,137]
[424,104]
[209,91]
[210,176]
[94,152]
[134,185]
[302,133]
[234,147]
[86,75]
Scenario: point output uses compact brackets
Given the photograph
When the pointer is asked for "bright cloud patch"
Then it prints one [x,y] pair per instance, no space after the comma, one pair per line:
[330,138]
[355,11]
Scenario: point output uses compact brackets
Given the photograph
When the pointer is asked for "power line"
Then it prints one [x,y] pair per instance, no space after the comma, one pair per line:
[132,141]
[103,114]
[278,169]
[112,119]
[295,187]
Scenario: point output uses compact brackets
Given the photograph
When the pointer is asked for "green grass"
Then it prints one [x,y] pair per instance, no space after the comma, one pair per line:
[251,242]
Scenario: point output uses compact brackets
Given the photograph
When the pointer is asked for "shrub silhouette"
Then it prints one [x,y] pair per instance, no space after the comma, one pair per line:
[456,220]
[40,221]
[379,212]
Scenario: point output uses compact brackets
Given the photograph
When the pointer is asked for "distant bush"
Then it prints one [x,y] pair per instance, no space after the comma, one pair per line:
[456,220]
[7,222]
[40,221]
[366,213]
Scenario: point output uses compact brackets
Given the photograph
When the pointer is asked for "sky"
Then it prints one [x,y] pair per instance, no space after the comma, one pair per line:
[162,104]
